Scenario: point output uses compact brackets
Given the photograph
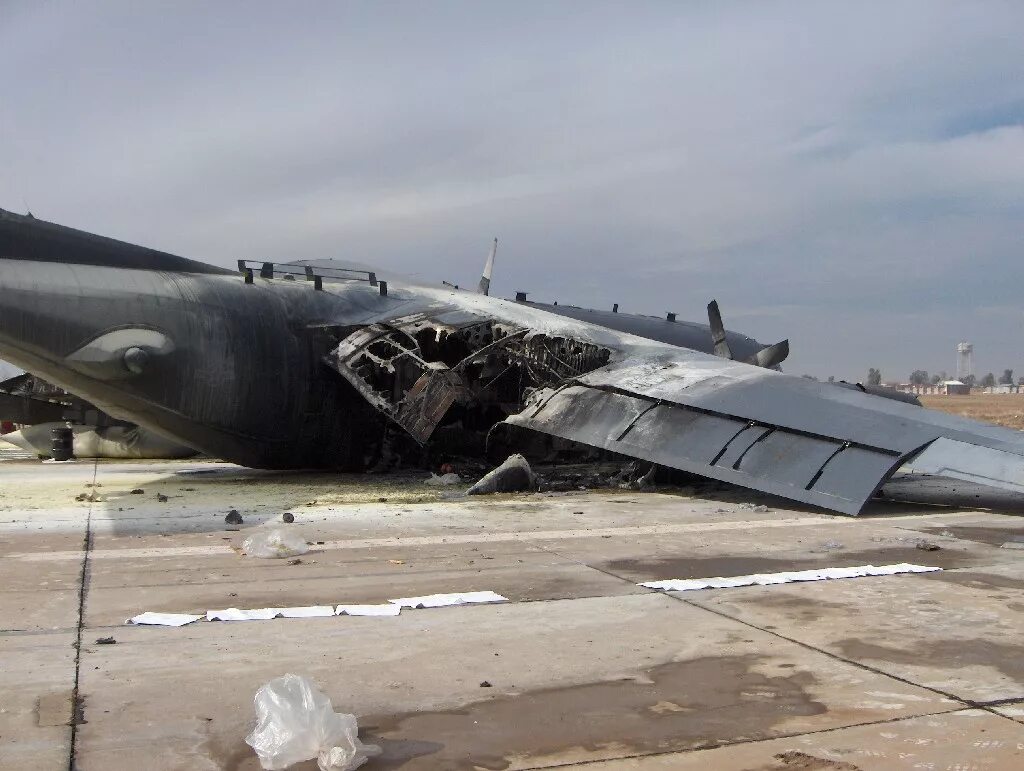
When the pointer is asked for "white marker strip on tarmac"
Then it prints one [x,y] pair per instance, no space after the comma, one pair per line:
[391,608]
[163,619]
[787,577]
[387,609]
[446,600]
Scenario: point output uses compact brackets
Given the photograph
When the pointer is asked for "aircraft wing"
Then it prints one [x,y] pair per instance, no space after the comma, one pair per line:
[784,435]
[726,420]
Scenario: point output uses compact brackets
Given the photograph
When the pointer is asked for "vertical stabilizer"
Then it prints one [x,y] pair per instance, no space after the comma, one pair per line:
[485,279]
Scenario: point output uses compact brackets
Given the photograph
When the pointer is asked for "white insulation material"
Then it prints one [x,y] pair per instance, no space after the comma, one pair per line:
[444,600]
[386,609]
[786,577]
[163,619]
[390,608]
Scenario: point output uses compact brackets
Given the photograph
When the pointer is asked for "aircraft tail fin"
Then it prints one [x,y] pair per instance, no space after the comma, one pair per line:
[718,331]
[485,280]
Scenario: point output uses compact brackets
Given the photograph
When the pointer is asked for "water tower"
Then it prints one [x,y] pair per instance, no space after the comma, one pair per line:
[964,360]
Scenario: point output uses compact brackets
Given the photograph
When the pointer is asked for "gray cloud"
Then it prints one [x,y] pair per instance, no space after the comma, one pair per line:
[848,175]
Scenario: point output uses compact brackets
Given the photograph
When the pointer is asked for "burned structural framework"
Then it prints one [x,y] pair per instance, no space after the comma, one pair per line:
[312,363]
[416,369]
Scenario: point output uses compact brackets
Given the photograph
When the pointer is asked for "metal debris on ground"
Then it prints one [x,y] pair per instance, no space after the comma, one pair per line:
[927,546]
[161,498]
[274,544]
[106,641]
[137,491]
[288,517]
[296,722]
[233,517]
[514,475]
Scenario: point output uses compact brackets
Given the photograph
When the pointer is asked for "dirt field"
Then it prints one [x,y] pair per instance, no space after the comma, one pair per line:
[1001,409]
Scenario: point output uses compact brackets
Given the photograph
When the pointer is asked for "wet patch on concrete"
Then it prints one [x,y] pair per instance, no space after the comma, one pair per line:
[975,580]
[662,568]
[947,654]
[796,607]
[677,706]
[993,536]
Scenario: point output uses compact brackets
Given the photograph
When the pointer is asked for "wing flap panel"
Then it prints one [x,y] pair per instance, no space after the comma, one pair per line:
[766,458]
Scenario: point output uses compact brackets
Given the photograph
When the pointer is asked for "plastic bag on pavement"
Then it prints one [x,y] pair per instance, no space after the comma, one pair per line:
[274,544]
[295,721]
[444,479]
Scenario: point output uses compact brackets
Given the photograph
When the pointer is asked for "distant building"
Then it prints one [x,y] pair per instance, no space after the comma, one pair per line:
[954,388]
[1002,388]
[946,388]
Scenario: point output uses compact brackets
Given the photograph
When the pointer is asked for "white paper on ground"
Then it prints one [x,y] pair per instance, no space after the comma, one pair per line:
[163,619]
[309,611]
[729,583]
[369,610]
[444,600]
[786,577]
[234,614]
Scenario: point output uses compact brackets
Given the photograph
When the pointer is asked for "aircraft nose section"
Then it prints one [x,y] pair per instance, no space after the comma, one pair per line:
[78,317]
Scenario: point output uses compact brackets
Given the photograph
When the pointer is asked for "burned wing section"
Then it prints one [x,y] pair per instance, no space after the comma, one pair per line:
[823,470]
[423,371]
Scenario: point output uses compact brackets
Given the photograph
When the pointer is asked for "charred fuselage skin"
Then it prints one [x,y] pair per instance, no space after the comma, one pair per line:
[226,367]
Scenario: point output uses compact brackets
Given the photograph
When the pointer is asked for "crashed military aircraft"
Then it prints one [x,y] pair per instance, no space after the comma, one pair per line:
[311,363]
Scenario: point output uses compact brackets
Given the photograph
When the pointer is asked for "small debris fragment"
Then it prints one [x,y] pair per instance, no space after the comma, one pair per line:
[274,544]
[927,546]
[446,479]
[295,561]
[832,545]
[382,500]
[397,562]
[233,517]
[137,491]
[288,517]
[514,475]
[447,468]
[161,498]
[486,684]
[106,641]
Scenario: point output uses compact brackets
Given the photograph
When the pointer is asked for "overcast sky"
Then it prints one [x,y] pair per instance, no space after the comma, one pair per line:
[848,175]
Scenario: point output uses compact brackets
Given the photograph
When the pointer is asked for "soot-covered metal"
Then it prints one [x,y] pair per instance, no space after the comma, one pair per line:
[314,363]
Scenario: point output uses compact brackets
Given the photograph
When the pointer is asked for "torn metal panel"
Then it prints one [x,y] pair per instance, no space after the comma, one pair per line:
[384,365]
[428,401]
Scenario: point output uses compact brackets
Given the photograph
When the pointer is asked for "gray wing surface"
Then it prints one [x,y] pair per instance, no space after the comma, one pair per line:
[779,434]
[725,420]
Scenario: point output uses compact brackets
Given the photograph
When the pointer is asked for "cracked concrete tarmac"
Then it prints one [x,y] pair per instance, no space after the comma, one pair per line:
[586,667]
